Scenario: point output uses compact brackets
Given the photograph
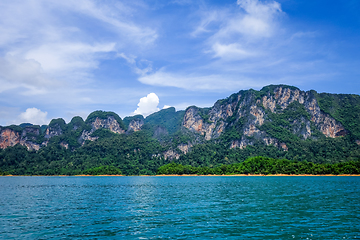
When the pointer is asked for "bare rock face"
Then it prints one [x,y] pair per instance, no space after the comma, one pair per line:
[253,113]
[53,131]
[65,145]
[184,148]
[28,138]
[192,120]
[32,146]
[108,123]
[269,103]
[283,146]
[8,138]
[242,143]
[171,154]
[258,113]
[211,127]
[85,135]
[326,124]
[135,125]
[285,96]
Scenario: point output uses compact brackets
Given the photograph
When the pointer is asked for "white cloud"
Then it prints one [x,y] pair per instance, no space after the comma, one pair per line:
[147,105]
[17,72]
[231,52]
[71,56]
[240,38]
[198,82]
[258,20]
[54,42]
[240,31]
[130,59]
[34,116]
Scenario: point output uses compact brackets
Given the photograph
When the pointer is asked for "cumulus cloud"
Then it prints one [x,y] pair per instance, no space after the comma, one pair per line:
[34,116]
[147,105]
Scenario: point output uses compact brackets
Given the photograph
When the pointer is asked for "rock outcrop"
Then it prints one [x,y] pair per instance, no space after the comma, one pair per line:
[184,148]
[27,137]
[53,131]
[245,118]
[108,123]
[252,109]
[135,125]
[171,154]
[8,138]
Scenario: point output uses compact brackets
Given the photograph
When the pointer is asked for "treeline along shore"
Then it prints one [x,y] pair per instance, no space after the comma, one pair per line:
[252,166]
[266,166]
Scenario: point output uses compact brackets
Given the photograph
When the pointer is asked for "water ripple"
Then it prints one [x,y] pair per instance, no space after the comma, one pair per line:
[180,207]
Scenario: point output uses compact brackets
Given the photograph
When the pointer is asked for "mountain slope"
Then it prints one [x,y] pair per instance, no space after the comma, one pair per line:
[278,121]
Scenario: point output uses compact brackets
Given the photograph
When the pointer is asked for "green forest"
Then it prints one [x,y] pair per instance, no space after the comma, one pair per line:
[265,166]
[142,152]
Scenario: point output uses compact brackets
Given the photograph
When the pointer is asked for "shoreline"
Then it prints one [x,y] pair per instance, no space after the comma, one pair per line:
[194,175]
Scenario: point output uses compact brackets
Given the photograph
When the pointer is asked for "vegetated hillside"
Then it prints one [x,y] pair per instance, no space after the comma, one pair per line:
[277,122]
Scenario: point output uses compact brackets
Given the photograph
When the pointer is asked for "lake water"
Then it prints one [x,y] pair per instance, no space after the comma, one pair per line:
[180,207]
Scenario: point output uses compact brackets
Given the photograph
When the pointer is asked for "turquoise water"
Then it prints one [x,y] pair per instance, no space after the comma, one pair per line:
[180,207]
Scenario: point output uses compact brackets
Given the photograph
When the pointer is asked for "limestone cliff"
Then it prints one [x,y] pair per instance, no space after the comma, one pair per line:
[109,123]
[8,138]
[135,125]
[275,115]
[53,131]
[247,111]
[27,137]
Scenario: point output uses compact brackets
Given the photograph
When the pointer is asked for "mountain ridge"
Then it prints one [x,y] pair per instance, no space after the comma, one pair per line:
[279,119]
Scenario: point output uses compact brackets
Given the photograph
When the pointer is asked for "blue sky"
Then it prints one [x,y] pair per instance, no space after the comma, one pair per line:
[69,58]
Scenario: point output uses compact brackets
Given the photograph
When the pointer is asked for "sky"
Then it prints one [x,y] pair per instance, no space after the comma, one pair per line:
[60,59]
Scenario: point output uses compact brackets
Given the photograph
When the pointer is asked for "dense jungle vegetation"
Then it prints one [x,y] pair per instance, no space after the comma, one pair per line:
[265,166]
[141,152]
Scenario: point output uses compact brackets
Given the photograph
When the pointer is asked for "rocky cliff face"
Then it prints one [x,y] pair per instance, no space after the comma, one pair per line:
[252,109]
[240,120]
[53,131]
[27,137]
[108,123]
[135,125]
[8,138]
[326,124]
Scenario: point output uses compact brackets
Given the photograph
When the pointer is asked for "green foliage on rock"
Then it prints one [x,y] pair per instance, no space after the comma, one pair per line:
[104,115]
[127,120]
[142,152]
[15,128]
[58,122]
[167,118]
[280,125]
[345,108]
